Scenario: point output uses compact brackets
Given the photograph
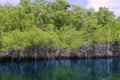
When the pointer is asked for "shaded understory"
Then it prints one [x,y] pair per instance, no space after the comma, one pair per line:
[99,50]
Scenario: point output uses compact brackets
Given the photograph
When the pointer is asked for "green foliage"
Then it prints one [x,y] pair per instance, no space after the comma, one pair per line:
[55,25]
[104,16]
[70,39]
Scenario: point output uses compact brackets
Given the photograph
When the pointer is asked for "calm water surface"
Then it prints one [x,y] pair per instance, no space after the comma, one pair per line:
[83,69]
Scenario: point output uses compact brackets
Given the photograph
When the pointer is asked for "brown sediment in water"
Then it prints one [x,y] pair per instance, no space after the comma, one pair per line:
[99,50]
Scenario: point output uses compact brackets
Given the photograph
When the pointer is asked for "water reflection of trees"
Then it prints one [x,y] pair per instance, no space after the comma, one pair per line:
[62,69]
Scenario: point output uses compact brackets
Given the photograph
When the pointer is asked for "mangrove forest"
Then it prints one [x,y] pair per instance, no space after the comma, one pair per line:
[42,29]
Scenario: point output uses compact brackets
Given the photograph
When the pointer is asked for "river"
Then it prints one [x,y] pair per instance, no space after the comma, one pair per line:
[65,69]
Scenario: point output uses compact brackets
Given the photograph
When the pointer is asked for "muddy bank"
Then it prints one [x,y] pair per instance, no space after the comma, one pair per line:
[98,50]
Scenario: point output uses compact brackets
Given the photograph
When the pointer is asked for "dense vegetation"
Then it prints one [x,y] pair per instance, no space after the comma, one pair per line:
[55,25]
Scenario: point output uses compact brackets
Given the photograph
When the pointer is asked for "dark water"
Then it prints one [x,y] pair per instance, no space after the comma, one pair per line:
[83,69]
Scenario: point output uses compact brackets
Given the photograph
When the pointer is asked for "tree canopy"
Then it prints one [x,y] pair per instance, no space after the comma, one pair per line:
[56,24]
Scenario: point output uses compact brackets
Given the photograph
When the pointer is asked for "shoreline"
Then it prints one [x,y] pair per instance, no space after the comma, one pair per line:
[4,59]
[99,50]
[57,57]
